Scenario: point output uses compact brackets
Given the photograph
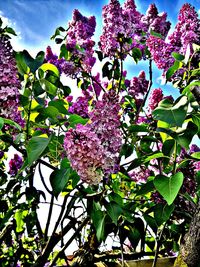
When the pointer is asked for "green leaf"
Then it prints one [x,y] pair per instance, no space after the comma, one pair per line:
[196,120]
[184,139]
[48,87]
[75,119]
[145,188]
[136,54]
[168,147]
[64,53]
[169,187]
[51,112]
[21,64]
[196,155]
[1,123]
[187,90]
[163,212]
[59,180]
[151,222]
[156,155]
[126,150]
[177,65]
[59,105]
[50,67]
[114,211]
[10,30]
[178,56]
[106,71]
[156,34]
[99,54]
[195,47]
[162,124]
[175,115]
[37,88]
[12,123]
[36,147]
[99,219]
[19,217]
[138,128]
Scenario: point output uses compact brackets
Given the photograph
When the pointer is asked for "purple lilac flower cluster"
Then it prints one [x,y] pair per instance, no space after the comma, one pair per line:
[138,86]
[66,67]
[9,83]
[155,21]
[127,22]
[154,99]
[194,148]
[81,29]
[15,164]
[140,175]
[85,152]
[185,34]
[80,107]
[105,122]
[79,44]
[93,150]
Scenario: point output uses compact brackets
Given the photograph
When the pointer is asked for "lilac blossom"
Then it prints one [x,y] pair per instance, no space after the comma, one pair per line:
[113,25]
[138,85]
[81,29]
[194,148]
[105,122]
[187,30]
[85,152]
[154,99]
[66,67]
[161,52]
[79,44]
[140,175]
[15,164]
[93,149]
[80,107]
[156,22]
[9,83]
[186,33]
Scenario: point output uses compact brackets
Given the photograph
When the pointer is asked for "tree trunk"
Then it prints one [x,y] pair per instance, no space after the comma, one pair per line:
[190,249]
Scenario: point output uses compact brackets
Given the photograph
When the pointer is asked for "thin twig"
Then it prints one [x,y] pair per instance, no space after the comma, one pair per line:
[69,241]
[47,164]
[158,246]
[148,90]
[43,181]
[49,218]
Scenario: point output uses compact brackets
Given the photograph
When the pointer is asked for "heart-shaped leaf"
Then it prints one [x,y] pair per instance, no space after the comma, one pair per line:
[169,187]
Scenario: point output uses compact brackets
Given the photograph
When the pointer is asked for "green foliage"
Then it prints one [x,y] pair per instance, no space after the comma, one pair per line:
[35,148]
[141,202]
[169,187]
[173,115]
[59,179]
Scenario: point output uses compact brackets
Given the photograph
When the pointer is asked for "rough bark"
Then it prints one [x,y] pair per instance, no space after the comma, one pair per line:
[190,249]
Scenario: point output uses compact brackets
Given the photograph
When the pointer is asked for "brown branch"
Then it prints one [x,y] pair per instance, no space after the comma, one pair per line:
[127,256]
[148,90]
[190,248]
[69,241]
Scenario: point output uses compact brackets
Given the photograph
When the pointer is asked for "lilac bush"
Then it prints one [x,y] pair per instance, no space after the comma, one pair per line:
[122,156]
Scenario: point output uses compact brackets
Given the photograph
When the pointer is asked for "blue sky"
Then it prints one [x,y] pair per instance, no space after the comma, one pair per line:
[36,21]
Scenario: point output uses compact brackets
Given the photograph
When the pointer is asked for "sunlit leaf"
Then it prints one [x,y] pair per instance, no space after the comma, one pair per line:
[169,187]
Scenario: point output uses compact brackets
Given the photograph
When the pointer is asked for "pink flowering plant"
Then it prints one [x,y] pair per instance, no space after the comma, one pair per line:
[123,153]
